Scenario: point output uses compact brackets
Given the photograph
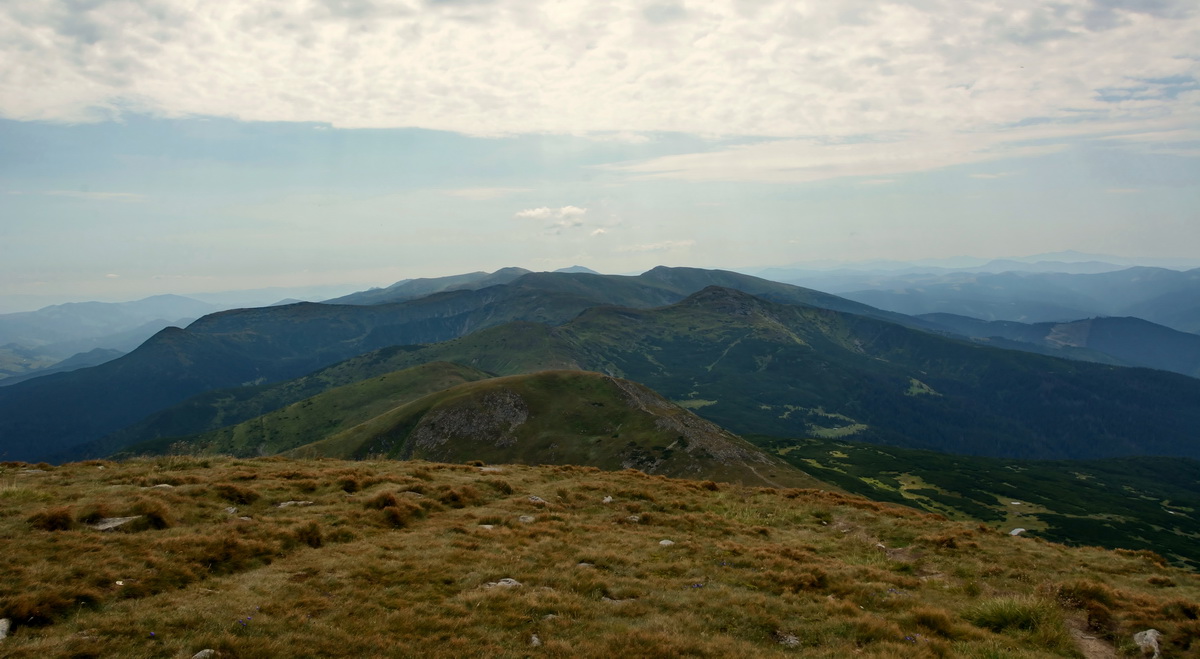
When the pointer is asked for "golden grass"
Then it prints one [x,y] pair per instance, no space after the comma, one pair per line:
[395,558]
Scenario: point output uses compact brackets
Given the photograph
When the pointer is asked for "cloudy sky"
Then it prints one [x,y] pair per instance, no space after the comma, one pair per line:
[180,146]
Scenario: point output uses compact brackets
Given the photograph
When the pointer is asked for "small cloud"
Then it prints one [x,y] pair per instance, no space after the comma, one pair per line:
[97,196]
[620,137]
[664,246]
[1123,190]
[546,213]
[112,276]
[988,175]
[484,194]
[599,232]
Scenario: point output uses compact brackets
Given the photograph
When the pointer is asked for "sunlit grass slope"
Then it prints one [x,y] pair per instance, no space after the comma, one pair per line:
[410,559]
[314,418]
[561,417]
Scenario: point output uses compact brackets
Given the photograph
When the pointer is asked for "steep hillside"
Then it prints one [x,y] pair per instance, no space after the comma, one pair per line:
[560,417]
[271,558]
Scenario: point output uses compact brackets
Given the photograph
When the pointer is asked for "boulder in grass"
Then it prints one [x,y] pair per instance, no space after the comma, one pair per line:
[1147,642]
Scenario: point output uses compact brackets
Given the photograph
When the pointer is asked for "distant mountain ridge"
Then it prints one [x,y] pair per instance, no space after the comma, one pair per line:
[1165,297]
[1125,341]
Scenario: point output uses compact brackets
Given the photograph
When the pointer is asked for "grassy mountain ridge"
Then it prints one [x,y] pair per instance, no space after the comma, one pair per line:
[313,418]
[425,559]
[559,417]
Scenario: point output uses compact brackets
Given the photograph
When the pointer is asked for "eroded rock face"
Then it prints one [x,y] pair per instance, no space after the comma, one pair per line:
[491,418]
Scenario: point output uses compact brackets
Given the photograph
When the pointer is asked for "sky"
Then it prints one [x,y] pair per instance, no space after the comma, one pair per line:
[152,146]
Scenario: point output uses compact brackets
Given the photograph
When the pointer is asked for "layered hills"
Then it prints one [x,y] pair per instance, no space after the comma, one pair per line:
[53,415]
[755,366]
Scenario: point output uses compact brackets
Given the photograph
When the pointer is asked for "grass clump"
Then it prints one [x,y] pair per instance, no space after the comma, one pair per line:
[1022,613]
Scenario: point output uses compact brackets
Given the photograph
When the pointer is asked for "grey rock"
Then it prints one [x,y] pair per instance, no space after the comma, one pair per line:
[287,504]
[205,654]
[585,565]
[5,625]
[112,523]
[634,519]
[491,470]
[1147,642]
[1016,531]
[503,583]
[536,499]
[161,486]
[231,511]
[534,641]
[487,527]
[666,543]
[526,519]
[607,500]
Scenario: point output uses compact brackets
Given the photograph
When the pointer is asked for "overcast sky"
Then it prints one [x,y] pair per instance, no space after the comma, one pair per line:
[181,146]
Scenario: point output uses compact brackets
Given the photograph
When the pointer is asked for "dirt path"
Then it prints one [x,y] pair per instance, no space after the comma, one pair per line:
[1092,646]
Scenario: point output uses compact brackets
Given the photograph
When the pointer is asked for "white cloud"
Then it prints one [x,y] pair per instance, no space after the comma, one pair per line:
[112,276]
[772,68]
[664,246]
[599,232]
[484,194]
[1123,190]
[567,213]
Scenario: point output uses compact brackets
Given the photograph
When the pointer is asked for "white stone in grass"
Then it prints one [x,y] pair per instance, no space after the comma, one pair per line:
[533,498]
[491,470]
[287,504]
[161,486]
[503,583]
[1017,531]
[231,511]
[534,641]
[5,625]
[608,500]
[112,523]
[1147,642]
[526,519]
[666,543]
[205,654]
[487,527]
[633,519]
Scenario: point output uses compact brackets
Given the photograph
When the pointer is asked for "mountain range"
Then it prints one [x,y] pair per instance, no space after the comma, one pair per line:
[744,362]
